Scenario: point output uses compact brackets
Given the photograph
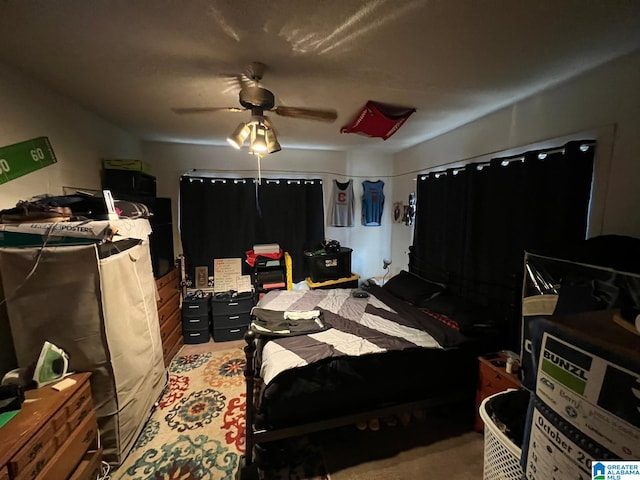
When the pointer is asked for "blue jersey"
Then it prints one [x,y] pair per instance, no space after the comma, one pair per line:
[372,203]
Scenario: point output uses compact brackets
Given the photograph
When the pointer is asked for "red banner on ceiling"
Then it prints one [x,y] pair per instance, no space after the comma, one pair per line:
[379,120]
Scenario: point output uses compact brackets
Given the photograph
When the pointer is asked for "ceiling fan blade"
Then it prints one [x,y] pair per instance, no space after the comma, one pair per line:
[206,109]
[307,113]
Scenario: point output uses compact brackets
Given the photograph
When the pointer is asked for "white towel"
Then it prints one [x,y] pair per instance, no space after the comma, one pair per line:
[307,315]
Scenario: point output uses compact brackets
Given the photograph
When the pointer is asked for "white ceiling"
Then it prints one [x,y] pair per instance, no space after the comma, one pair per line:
[131,61]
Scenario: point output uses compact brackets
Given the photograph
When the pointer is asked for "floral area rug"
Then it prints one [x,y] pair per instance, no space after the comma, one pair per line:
[197,430]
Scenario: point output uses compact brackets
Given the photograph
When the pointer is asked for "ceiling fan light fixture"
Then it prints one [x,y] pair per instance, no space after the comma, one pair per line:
[258,138]
[239,135]
[273,145]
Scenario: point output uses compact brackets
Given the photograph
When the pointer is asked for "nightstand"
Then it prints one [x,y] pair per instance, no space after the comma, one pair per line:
[493,378]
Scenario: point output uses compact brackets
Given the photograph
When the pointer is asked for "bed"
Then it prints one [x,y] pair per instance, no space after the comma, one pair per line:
[410,344]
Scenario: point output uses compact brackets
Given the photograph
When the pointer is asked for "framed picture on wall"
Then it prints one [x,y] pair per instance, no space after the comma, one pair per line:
[398,212]
[202,277]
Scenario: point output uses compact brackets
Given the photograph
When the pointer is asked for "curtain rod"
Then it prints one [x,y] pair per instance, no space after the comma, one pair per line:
[195,171]
[506,160]
[288,181]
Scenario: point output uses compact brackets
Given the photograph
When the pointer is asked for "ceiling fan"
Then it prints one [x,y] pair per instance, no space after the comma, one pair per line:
[259,100]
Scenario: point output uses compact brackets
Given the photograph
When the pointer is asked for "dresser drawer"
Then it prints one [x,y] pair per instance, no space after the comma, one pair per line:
[77,401]
[171,340]
[39,463]
[169,326]
[67,458]
[4,473]
[80,414]
[62,434]
[232,306]
[171,277]
[59,420]
[173,351]
[168,308]
[37,451]
[231,321]
[89,467]
[494,382]
[166,293]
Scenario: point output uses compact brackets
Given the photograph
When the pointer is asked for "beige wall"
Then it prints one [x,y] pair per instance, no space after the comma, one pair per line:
[79,138]
[603,104]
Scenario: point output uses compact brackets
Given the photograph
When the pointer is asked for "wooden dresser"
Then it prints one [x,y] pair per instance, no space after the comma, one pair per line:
[493,378]
[169,314]
[54,436]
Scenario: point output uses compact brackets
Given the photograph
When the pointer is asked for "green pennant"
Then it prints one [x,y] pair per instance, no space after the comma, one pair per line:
[25,157]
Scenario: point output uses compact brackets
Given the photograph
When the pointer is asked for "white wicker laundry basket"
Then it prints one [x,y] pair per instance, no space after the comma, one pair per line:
[501,456]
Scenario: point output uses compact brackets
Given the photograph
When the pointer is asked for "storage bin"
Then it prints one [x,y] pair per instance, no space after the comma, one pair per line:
[126,164]
[196,306]
[228,334]
[501,456]
[196,336]
[330,266]
[195,323]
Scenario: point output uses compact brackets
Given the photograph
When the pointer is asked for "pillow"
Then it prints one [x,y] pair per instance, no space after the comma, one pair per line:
[412,288]
[470,317]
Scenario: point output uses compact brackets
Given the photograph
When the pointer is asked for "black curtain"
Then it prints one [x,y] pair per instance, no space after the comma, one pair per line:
[474,224]
[442,200]
[291,213]
[217,218]
[223,218]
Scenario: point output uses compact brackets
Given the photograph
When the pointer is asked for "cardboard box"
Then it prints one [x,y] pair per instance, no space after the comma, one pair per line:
[126,164]
[589,376]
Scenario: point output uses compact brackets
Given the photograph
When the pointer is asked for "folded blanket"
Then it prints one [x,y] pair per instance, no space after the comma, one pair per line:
[287,323]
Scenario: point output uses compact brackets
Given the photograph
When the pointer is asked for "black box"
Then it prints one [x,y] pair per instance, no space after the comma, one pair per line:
[129,182]
[330,266]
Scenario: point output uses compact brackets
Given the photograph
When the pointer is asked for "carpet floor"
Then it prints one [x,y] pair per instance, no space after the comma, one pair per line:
[197,432]
[442,445]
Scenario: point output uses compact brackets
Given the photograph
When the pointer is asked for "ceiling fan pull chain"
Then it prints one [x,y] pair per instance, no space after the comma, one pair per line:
[259,171]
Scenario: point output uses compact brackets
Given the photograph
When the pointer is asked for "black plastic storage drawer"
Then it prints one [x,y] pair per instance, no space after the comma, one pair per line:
[195,306]
[228,334]
[195,323]
[196,318]
[196,336]
[230,321]
[230,305]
